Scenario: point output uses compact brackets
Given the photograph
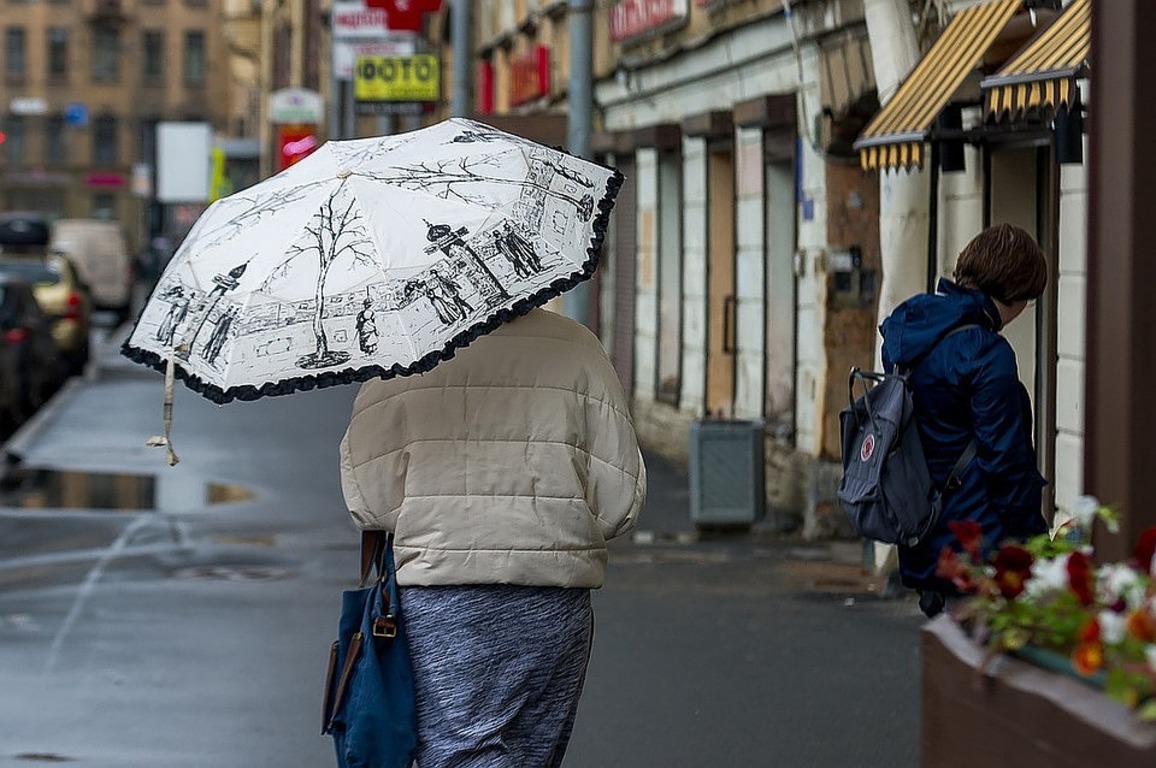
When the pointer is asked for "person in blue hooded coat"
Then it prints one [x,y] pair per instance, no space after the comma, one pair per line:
[965,386]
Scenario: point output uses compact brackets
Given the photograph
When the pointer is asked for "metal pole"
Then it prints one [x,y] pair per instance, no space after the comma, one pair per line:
[580,101]
[460,39]
[349,112]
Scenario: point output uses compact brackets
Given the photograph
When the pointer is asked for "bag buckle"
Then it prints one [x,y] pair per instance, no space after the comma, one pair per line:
[385,626]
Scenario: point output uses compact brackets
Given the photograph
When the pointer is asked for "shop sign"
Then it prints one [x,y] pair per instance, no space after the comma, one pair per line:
[353,19]
[295,105]
[345,52]
[406,15]
[529,75]
[631,19]
[484,93]
[105,180]
[295,143]
[397,78]
[27,105]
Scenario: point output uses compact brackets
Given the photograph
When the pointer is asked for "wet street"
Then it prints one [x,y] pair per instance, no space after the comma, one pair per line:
[181,617]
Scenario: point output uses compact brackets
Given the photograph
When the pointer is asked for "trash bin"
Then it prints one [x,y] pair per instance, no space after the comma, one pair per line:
[726,473]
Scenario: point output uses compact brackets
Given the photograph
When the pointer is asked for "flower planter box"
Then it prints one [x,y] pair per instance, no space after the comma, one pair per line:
[1016,714]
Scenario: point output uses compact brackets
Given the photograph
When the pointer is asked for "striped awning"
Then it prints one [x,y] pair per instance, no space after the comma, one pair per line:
[894,138]
[1043,75]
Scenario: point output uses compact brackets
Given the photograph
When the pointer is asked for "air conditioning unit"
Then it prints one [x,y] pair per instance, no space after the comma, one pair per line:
[727,488]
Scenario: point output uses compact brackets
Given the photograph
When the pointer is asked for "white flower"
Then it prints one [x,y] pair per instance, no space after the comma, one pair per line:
[1116,581]
[1150,656]
[1113,627]
[1084,510]
[1048,575]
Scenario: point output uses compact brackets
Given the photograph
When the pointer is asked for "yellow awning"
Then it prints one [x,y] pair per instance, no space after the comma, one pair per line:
[1044,73]
[894,138]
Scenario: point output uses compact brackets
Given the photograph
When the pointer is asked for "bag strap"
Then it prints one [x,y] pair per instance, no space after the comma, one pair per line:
[375,547]
[954,479]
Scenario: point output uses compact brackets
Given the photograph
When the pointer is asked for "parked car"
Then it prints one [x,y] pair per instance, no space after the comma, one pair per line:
[30,361]
[100,252]
[63,297]
[24,232]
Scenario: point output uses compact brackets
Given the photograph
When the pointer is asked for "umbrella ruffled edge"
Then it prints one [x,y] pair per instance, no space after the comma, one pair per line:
[248,392]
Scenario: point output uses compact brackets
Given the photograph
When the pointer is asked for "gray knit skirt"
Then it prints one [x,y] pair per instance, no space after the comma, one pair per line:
[499,671]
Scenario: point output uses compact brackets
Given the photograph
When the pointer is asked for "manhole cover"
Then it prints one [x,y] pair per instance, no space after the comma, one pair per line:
[232,573]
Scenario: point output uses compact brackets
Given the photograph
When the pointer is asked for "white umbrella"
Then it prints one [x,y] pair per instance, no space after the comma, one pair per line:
[372,258]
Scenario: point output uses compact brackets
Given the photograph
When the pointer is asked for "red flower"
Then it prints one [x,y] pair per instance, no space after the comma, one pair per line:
[951,567]
[1146,549]
[1080,577]
[1013,566]
[1142,625]
[969,534]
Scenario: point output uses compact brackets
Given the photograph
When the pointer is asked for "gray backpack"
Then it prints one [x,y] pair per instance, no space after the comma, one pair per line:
[886,490]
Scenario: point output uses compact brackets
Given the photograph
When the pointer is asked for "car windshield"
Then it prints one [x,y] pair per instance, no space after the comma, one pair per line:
[32,271]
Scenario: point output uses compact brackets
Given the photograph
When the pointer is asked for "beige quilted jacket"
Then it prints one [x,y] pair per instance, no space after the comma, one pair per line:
[512,463]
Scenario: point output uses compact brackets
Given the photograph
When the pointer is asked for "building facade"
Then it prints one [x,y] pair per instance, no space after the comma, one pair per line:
[85,83]
[742,270]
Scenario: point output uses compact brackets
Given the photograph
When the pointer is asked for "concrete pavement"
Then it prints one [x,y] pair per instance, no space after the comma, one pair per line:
[193,633]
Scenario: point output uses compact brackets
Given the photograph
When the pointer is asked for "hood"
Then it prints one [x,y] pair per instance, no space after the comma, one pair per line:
[918,323]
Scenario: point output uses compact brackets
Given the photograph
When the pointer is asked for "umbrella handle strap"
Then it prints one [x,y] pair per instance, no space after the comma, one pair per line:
[167,440]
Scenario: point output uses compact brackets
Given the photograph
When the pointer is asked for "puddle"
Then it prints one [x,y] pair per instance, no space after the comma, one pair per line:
[31,488]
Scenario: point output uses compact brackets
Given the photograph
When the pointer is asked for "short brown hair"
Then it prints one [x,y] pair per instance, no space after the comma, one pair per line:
[1005,262]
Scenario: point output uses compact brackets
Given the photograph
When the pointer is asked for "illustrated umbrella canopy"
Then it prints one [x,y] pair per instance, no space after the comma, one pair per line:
[372,258]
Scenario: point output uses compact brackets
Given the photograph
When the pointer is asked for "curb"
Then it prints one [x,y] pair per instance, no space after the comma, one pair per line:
[21,440]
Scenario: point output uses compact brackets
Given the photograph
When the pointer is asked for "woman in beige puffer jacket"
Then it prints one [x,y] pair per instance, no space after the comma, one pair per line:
[502,473]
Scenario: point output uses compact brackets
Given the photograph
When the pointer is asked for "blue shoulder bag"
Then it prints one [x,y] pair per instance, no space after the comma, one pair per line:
[370,708]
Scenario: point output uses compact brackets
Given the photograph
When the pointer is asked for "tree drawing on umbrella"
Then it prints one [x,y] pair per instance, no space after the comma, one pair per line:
[240,211]
[334,232]
[456,177]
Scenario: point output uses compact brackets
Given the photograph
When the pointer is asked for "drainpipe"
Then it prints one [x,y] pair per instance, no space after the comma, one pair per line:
[460,39]
[580,100]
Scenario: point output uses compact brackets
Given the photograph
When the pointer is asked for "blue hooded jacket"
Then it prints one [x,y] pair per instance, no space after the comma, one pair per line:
[966,386]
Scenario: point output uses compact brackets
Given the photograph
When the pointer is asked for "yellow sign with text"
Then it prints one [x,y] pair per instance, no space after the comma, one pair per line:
[397,78]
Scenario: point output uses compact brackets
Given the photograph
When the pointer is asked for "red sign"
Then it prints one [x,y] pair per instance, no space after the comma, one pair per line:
[484,101]
[104,179]
[529,75]
[294,143]
[405,15]
[632,18]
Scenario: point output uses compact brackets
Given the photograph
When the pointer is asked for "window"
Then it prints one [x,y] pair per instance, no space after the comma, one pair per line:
[105,54]
[153,44]
[55,146]
[16,139]
[104,141]
[194,58]
[15,53]
[57,53]
[669,277]
[104,206]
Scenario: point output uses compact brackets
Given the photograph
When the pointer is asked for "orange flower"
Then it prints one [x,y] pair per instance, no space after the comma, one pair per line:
[1142,625]
[1088,655]
[1087,658]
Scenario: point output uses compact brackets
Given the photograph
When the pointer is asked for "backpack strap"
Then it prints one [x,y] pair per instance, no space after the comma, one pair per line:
[907,369]
[954,479]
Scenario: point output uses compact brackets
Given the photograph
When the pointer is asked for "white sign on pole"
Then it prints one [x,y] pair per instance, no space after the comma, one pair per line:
[295,105]
[345,52]
[352,19]
[183,162]
[27,105]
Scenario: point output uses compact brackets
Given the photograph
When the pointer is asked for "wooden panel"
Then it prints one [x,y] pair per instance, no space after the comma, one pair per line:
[721,320]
